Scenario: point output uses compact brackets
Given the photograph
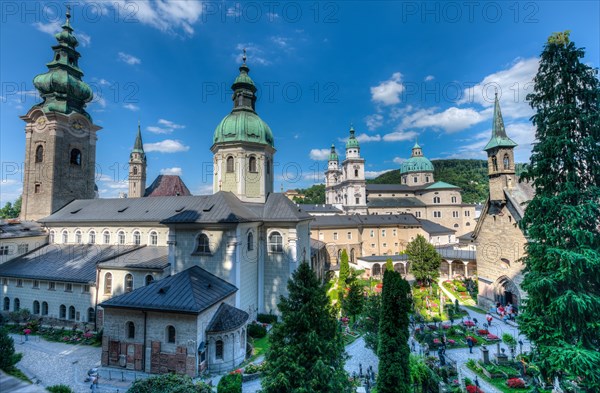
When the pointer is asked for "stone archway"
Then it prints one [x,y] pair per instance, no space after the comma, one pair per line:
[376,270]
[506,291]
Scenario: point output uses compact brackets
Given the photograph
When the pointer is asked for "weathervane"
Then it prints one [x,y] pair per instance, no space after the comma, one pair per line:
[244,56]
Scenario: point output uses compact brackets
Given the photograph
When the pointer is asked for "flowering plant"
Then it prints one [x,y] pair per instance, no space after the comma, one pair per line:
[473,389]
[238,371]
[446,326]
[515,383]
[436,341]
[469,323]
[27,331]
[451,342]
[492,337]
[482,332]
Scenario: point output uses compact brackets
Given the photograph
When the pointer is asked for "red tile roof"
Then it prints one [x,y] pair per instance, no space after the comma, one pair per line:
[167,185]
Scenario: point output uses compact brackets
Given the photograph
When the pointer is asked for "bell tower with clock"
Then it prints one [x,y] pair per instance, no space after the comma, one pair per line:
[354,190]
[60,146]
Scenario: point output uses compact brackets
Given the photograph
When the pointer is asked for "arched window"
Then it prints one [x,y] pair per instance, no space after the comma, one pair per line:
[453,199]
[137,238]
[252,164]
[356,173]
[339,256]
[75,157]
[128,283]
[230,164]
[17,304]
[250,241]
[91,315]
[92,237]
[149,279]
[107,284]
[71,312]
[106,237]
[36,307]
[121,237]
[506,162]
[436,199]
[6,306]
[65,236]
[39,154]
[130,329]
[275,242]
[171,334]
[44,308]
[426,179]
[153,238]
[51,239]
[352,255]
[62,312]
[494,163]
[78,237]
[219,349]
[203,244]
[135,170]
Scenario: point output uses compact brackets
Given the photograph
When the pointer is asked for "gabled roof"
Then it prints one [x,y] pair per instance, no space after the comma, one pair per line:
[146,258]
[440,185]
[227,318]
[356,220]
[63,262]
[320,208]
[167,185]
[190,291]
[435,229]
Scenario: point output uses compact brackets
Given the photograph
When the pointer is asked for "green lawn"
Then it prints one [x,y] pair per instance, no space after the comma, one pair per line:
[260,347]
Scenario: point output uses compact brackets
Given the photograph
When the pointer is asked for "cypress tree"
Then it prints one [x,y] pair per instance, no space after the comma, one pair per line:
[562,221]
[344,269]
[355,299]
[424,260]
[393,351]
[307,350]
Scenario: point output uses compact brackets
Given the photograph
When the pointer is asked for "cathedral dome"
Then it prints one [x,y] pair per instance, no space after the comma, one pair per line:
[416,164]
[243,126]
[352,141]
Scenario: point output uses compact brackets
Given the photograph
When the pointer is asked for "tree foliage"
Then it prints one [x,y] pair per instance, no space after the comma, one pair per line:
[8,357]
[424,260]
[11,210]
[168,383]
[370,322]
[312,195]
[307,349]
[354,300]
[344,269]
[393,352]
[562,221]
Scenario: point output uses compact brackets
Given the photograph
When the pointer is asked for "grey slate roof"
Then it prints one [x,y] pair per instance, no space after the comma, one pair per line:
[12,229]
[519,197]
[395,202]
[146,258]
[320,208]
[392,187]
[59,262]
[221,207]
[435,229]
[467,236]
[190,291]
[227,318]
[342,221]
[445,253]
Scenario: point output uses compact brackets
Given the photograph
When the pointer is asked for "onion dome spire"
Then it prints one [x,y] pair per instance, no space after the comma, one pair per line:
[352,141]
[499,137]
[61,88]
[333,156]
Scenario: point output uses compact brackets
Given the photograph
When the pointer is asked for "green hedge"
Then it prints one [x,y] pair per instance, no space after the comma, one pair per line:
[267,318]
[256,331]
[230,383]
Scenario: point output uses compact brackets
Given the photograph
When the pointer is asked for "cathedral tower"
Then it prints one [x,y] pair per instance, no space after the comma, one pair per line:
[333,177]
[501,159]
[137,168]
[355,186]
[60,146]
[243,146]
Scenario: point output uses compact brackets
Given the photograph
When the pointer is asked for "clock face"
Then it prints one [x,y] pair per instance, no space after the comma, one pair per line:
[41,122]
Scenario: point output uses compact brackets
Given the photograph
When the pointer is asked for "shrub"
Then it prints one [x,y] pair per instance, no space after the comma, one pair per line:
[256,331]
[230,383]
[515,383]
[167,383]
[255,368]
[59,389]
[8,357]
[473,389]
[267,318]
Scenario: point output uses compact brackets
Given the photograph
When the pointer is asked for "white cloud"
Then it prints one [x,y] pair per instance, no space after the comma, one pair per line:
[373,174]
[272,16]
[84,39]
[255,53]
[388,92]
[399,160]
[166,146]
[129,59]
[169,16]
[281,42]
[429,78]
[398,136]
[513,85]
[131,107]
[363,138]
[319,154]
[204,189]
[451,120]
[165,127]
[171,171]
[49,28]
[374,121]
[235,11]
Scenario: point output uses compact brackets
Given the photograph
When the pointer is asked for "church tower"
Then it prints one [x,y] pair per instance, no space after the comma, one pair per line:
[60,136]
[333,176]
[243,146]
[137,168]
[501,159]
[355,186]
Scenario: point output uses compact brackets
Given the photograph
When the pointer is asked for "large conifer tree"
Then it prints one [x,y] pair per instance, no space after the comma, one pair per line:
[307,351]
[562,222]
[393,351]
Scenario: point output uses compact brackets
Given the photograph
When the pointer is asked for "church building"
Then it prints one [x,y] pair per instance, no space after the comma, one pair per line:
[173,279]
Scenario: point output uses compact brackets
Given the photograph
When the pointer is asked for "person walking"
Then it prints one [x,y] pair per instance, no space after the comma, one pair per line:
[94,385]
[489,318]
[470,343]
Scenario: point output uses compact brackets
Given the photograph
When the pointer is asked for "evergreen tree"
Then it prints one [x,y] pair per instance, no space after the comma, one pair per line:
[355,299]
[344,269]
[562,221]
[389,264]
[424,260]
[393,351]
[372,312]
[307,349]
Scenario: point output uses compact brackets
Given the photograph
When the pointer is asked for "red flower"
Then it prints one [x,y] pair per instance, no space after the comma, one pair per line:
[469,323]
[452,342]
[482,331]
[473,389]
[436,341]
[492,337]
[515,383]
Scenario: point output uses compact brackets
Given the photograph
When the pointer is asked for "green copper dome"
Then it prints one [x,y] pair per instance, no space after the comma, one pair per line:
[243,126]
[416,164]
[352,141]
[61,88]
[333,156]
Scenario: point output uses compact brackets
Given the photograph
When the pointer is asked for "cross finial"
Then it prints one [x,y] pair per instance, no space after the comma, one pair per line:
[244,56]
[68,13]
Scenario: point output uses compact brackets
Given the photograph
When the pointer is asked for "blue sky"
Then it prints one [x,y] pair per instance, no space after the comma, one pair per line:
[396,70]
